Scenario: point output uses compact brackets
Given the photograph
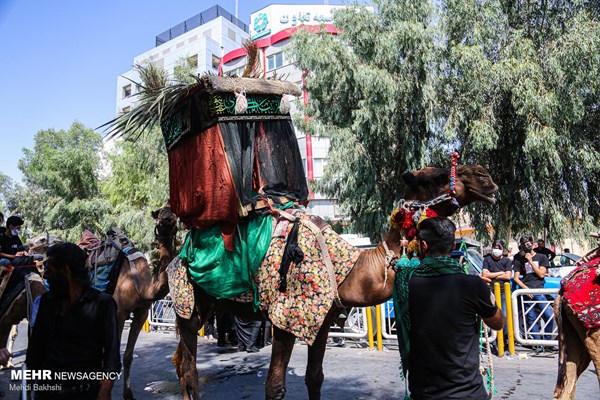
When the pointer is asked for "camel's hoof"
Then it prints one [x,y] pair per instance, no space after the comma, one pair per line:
[278,396]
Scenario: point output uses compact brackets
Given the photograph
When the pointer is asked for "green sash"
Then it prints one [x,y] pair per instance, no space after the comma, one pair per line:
[429,267]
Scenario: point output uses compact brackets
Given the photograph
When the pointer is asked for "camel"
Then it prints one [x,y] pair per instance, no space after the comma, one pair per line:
[17,312]
[21,306]
[137,287]
[370,282]
[578,345]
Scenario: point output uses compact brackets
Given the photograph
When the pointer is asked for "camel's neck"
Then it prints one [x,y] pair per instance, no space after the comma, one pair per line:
[166,253]
[371,281]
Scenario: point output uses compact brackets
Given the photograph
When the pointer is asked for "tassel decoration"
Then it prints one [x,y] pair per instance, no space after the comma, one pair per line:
[284,105]
[241,102]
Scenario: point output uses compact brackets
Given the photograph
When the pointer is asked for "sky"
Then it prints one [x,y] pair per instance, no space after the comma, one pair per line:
[60,59]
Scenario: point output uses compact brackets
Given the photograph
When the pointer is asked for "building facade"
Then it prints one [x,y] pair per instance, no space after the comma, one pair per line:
[198,42]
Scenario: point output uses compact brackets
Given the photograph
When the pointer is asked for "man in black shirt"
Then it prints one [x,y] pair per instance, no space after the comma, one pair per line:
[530,271]
[11,246]
[542,249]
[75,331]
[438,306]
[499,269]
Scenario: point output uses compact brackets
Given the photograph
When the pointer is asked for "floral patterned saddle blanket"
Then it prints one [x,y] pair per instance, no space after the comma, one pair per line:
[581,290]
[309,292]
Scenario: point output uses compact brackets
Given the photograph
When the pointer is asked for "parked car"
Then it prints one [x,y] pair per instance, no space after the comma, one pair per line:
[563,265]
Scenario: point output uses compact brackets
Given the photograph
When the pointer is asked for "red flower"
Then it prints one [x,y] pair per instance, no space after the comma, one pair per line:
[430,213]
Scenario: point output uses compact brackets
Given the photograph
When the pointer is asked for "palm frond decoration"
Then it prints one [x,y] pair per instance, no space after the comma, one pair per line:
[253,68]
[158,97]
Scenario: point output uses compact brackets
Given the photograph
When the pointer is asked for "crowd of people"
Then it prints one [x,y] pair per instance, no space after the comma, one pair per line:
[527,269]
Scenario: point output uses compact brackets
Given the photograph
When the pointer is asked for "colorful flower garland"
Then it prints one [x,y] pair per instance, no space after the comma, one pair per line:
[407,216]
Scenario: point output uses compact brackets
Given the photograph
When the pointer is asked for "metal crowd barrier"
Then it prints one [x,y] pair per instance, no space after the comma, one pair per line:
[530,315]
[162,313]
[356,326]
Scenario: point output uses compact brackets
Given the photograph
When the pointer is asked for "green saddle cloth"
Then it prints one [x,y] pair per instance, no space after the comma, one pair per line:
[226,274]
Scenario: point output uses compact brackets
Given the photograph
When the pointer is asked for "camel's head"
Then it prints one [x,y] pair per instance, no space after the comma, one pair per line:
[166,222]
[39,244]
[473,183]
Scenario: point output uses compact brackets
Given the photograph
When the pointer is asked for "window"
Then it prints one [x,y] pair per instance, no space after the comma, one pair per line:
[275,61]
[236,72]
[127,90]
[216,61]
[231,34]
[126,109]
[193,61]
[160,63]
[319,166]
[207,33]
[193,39]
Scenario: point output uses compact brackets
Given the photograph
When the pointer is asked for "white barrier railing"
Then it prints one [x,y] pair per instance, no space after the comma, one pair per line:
[533,317]
[162,313]
[355,326]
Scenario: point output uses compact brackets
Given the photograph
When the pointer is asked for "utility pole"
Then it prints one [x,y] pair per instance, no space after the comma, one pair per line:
[236,9]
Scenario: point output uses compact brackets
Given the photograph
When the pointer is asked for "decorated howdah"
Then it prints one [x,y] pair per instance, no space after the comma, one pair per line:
[232,148]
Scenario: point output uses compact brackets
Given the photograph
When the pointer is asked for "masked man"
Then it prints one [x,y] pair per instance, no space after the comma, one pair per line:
[75,331]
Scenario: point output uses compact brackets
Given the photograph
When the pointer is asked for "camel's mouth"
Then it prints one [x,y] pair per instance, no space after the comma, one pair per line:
[490,199]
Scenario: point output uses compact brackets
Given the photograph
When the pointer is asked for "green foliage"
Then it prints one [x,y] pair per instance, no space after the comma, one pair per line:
[373,95]
[64,163]
[64,195]
[513,85]
[138,184]
[140,173]
[521,94]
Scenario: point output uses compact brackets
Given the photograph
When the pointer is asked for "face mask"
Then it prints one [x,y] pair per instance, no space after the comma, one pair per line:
[528,248]
[497,252]
[15,232]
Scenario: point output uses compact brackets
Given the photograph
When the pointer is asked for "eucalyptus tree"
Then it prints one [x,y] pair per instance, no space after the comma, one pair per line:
[521,95]
[372,93]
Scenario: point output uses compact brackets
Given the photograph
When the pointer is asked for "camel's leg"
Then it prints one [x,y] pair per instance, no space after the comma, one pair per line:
[139,317]
[314,369]
[283,345]
[14,332]
[592,343]
[184,358]
[8,333]
[573,358]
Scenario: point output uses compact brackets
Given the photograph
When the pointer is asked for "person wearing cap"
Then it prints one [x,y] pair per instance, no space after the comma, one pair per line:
[530,271]
[75,331]
[437,308]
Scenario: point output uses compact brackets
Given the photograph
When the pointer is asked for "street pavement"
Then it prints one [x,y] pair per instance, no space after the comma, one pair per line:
[351,373]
